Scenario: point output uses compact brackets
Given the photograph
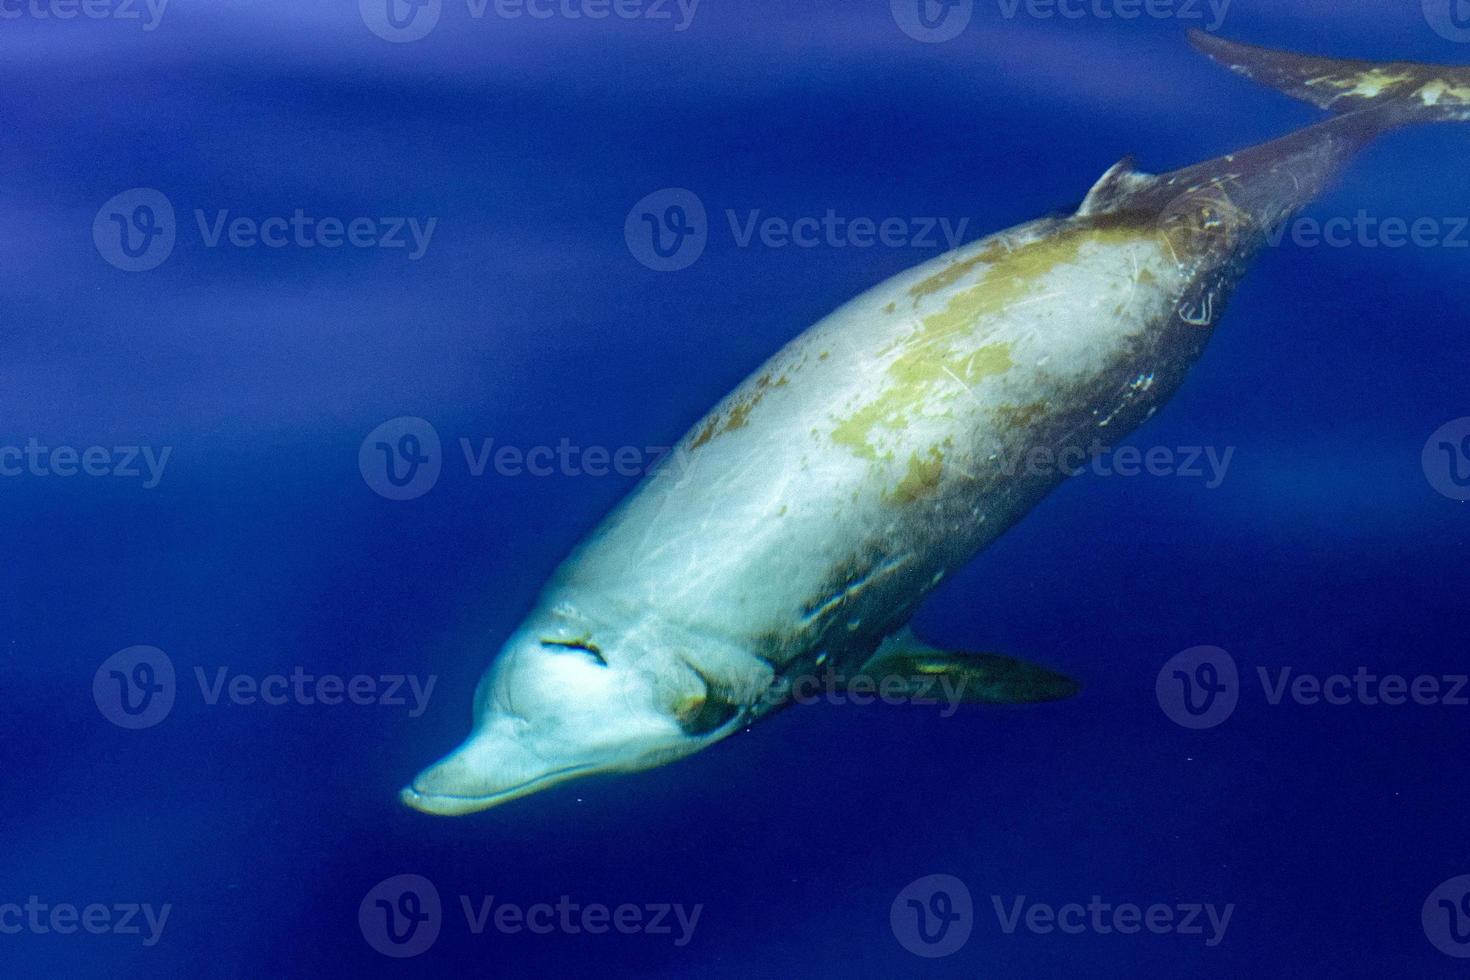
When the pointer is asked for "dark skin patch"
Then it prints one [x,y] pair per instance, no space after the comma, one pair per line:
[1020,416]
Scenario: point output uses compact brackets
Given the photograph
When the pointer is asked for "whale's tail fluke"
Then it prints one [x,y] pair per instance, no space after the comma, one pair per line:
[1407,92]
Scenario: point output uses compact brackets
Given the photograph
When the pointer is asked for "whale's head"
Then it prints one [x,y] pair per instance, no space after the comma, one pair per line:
[561,703]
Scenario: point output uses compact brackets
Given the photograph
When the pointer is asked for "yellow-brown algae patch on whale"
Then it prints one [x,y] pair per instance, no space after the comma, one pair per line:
[941,354]
[1013,418]
[913,379]
[1368,84]
[952,274]
[738,414]
[707,433]
[1441,92]
[922,478]
[1011,275]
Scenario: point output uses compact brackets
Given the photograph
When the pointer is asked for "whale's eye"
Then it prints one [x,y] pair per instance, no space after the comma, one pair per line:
[584,644]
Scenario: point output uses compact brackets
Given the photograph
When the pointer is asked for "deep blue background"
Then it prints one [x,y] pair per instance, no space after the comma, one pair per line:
[529,321]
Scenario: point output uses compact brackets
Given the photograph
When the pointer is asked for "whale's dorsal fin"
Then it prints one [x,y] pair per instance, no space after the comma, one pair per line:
[972,678]
[1114,187]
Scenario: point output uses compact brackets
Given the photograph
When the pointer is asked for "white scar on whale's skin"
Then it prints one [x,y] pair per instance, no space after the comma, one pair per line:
[816,506]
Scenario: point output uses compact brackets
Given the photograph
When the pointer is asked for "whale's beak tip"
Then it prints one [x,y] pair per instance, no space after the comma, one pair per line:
[440,806]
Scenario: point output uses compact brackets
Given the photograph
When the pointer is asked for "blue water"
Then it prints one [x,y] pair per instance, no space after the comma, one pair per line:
[262,549]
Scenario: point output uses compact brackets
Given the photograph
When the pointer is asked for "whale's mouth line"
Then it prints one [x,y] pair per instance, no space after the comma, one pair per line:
[450,804]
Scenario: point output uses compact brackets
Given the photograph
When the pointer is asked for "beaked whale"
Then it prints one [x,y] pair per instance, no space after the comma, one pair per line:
[828,494]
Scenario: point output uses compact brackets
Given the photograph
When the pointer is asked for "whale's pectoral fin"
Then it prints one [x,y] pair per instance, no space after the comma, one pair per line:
[971,678]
